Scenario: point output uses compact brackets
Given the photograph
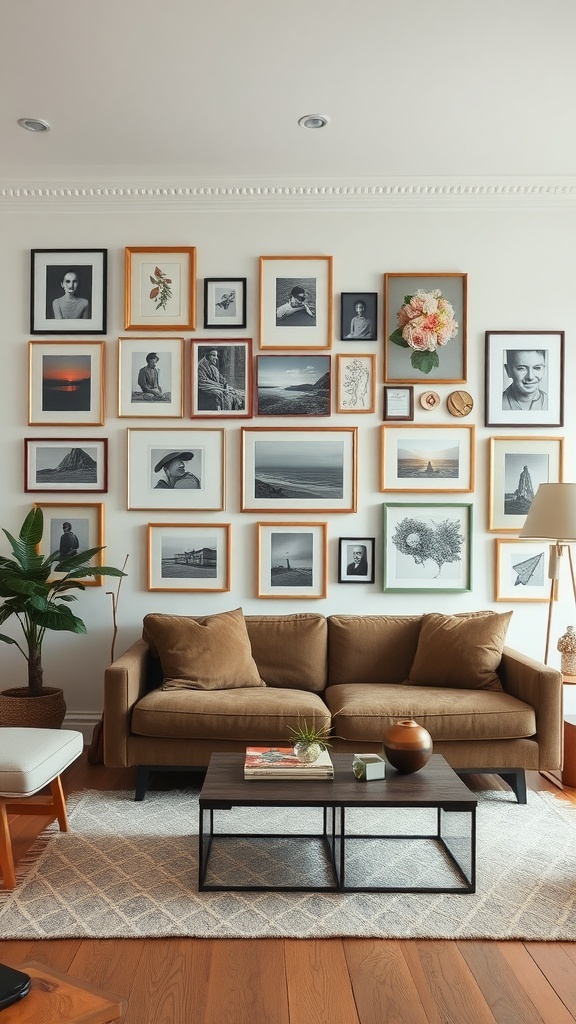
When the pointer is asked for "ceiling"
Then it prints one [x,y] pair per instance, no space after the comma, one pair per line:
[214,89]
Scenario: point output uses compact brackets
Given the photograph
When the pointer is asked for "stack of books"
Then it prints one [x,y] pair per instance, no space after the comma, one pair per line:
[282,763]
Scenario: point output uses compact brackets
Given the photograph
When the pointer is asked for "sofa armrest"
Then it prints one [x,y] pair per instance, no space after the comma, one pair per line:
[124,685]
[540,686]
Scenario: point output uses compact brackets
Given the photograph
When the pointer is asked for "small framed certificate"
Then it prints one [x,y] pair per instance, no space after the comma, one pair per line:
[398,403]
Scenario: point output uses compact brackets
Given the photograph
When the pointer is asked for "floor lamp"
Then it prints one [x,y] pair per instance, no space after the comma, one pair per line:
[552,517]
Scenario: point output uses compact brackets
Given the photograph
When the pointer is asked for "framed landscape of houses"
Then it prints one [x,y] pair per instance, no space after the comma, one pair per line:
[522,570]
[426,459]
[221,379]
[180,469]
[524,378]
[517,467]
[224,302]
[425,338]
[427,547]
[66,383]
[191,557]
[298,469]
[160,288]
[293,385]
[292,560]
[151,377]
[355,383]
[68,291]
[356,559]
[71,528]
[296,302]
[73,464]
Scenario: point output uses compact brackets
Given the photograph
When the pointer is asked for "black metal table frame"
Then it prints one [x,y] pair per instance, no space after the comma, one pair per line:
[333,839]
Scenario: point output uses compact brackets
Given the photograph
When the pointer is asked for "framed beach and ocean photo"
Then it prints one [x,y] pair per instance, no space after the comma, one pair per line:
[293,385]
[522,570]
[427,547]
[524,378]
[68,291]
[224,302]
[178,469]
[296,302]
[151,377]
[425,328]
[72,528]
[292,560]
[54,464]
[358,316]
[298,469]
[427,459]
[189,557]
[356,559]
[66,383]
[355,383]
[517,467]
[160,288]
[221,379]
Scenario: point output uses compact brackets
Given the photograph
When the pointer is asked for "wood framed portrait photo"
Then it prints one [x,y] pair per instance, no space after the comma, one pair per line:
[68,291]
[178,469]
[160,288]
[296,302]
[66,383]
[425,328]
[189,557]
[151,377]
[221,379]
[70,529]
[524,378]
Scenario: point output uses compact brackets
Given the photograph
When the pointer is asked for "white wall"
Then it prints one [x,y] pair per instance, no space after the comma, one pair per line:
[520,264]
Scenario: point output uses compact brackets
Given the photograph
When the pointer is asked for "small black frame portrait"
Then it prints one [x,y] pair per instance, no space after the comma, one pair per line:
[359,316]
[68,291]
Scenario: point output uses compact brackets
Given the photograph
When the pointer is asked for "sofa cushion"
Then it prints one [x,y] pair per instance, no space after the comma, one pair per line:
[251,715]
[371,648]
[212,654]
[290,650]
[461,651]
[363,712]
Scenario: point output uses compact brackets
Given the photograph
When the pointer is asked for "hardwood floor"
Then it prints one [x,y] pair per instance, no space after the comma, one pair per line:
[329,981]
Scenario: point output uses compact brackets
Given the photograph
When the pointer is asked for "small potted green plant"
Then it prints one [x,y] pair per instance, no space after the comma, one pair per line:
[309,741]
[40,601]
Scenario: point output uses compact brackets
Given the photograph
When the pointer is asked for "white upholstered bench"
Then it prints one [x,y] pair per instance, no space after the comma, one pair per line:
[31,759]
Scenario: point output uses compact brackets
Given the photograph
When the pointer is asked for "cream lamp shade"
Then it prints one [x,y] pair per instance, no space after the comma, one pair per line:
[552,515]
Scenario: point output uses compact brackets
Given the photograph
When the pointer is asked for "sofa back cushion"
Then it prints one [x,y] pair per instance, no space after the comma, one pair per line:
[371,648]
[461,651]
[212,653]
[290,650]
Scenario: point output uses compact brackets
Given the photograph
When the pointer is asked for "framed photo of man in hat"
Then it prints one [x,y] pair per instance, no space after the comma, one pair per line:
[151,377]
[176,469]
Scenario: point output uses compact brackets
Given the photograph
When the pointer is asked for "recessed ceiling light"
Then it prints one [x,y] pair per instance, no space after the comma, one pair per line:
[313,121]
[34,124]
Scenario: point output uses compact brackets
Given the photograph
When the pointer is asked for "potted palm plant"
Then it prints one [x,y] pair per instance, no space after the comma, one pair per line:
[40,601]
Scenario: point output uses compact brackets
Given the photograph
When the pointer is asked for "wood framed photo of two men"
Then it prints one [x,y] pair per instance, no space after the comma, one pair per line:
[524,378]
[68,291]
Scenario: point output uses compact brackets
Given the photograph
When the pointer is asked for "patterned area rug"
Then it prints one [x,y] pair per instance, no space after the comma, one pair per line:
[130,870]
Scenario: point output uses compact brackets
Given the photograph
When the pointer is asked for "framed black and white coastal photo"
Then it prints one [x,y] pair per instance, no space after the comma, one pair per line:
[295,302]
[518,465]
[427,547]
[224,302]
[66,383]
[189,557]
[291,385]
[70,529]
[427,459]
[356,559]
[524,378]
[298,469]
[221,379]
[151,377]
[176,469]
[358,316]
[68,291]
[292,560]
[54,464]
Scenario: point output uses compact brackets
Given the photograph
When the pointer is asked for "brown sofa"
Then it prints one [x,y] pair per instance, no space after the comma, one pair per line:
[353,671]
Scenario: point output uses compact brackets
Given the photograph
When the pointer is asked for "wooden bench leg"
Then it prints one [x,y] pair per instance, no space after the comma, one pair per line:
[59,802]
[6,857]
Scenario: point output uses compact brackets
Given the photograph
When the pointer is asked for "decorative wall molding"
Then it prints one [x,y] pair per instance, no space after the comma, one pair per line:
[334,193]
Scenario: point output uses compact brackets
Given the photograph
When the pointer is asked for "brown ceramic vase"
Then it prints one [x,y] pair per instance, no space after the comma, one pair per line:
[407,745]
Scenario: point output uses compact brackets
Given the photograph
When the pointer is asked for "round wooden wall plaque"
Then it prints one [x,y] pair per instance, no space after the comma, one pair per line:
[459,403]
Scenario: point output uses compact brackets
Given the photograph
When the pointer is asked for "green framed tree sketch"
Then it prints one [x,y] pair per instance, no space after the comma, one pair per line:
[427,547]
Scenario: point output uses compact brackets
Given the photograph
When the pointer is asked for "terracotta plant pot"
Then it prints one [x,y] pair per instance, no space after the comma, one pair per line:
[19,708]
[407,745]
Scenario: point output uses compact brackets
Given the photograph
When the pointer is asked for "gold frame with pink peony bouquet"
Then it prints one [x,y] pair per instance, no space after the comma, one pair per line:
[425,327]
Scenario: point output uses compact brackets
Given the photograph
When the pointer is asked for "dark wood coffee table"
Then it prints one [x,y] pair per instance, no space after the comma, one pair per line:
[435,786]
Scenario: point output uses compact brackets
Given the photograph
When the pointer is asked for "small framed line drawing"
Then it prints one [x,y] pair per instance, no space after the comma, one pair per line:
[189,557]
[292,560]
[68,291]
[356,383]
[224,302]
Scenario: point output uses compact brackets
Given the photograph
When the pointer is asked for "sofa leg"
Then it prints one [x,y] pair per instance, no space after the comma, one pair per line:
[142,780]
[517,781]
